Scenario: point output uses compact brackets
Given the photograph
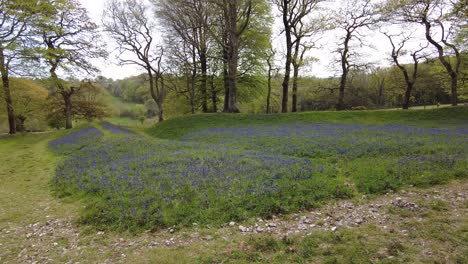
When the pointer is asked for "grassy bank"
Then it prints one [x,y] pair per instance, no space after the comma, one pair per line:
[241,168]
[177,127]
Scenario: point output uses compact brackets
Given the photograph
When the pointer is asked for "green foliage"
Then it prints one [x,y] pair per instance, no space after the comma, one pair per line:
[88,103]
[394,173]
[29,102]
[70,39]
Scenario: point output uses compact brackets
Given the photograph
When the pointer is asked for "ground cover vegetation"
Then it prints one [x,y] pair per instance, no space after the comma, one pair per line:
[216,175]
[182,182]
[36,226]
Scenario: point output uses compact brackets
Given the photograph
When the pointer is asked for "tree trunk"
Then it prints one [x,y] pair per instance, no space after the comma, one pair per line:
[204,82]
[6,90]
[344,76]
[161,95]
[454,84]
[66,95]
[294,88]
[268,110]
[20,123]
[406,103]
[193,79]
[214,96]
[190,92]
[233,106]
[156,95]
[233,56]
[68,109]
[225,81]
[287,69]
[160,116]
[341,106]
[448,67]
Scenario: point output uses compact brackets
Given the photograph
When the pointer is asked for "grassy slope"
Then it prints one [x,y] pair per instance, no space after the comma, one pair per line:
[117,105]
[178,127]
[27,166]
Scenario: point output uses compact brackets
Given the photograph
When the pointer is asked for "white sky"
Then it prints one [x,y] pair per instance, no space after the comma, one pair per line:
[108,68]
[324,68]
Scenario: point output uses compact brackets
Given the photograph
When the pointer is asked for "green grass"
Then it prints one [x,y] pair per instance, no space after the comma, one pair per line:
[177,127]
[215,176]
[132,123]
[27,167]
[434,238]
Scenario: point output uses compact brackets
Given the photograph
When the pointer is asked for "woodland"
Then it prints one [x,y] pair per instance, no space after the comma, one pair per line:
[204,56]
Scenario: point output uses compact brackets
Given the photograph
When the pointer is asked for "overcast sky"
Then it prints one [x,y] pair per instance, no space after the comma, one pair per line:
[108,68]
[378,53]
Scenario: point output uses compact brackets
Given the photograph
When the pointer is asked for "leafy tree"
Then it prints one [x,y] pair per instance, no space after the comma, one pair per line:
[70,40]
[236,16]
[190,19]
[87,104]
[14,18]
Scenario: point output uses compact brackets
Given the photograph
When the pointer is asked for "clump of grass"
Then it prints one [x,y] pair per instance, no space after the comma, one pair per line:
[439,205]
[265,243]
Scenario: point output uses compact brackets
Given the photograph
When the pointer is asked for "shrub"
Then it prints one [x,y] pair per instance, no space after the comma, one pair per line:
[360,107]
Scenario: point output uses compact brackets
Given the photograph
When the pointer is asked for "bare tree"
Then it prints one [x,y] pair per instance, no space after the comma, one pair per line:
[397,52]
[70,40]
[353,16]
[305,35]
[189,19]
[293,13]
[128,24]
[440,23]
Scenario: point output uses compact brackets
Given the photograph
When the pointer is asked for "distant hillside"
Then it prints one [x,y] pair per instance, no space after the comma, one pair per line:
[29,99]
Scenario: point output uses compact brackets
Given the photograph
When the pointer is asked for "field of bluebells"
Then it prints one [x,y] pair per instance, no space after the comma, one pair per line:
[217,175]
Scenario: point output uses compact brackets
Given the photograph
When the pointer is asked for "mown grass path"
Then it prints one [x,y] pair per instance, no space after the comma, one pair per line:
[26,167]
[25,198]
